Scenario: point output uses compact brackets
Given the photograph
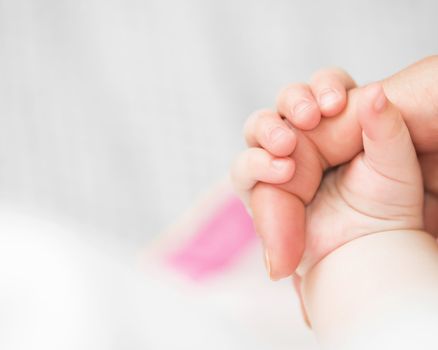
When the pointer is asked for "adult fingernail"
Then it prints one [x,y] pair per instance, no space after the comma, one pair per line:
[328,97]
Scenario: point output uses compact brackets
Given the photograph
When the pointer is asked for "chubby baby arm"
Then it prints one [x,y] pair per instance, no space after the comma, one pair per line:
[376,292]
[376,289]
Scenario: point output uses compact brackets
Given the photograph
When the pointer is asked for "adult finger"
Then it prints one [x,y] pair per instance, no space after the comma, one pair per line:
[283,239]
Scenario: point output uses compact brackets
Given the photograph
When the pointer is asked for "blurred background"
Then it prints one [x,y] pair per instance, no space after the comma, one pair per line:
[115,117]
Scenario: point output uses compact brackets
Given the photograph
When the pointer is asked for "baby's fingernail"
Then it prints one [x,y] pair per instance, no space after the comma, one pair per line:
[277,134]
[267,262]
[328,97]
[380,101]
[279,164]
[302,107]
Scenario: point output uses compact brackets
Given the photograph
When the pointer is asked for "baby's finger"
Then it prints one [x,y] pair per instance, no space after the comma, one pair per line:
[266,129]
[297,104]
[330,86]
[256,164]
[387,144]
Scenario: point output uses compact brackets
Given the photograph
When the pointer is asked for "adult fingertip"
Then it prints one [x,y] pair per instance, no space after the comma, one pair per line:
[277,271]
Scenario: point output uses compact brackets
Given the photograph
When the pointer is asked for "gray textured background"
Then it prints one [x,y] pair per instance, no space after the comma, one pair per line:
[119,113]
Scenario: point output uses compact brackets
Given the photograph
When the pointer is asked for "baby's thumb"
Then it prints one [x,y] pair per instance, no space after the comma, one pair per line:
[387,144]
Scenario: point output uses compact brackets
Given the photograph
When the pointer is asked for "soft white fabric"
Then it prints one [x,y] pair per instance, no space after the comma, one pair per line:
[61,290]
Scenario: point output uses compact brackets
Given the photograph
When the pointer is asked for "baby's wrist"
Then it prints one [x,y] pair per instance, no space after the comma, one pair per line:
[313,257]
[399,237]
[386,273]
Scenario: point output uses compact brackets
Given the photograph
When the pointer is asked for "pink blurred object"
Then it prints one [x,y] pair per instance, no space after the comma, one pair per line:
[217,243]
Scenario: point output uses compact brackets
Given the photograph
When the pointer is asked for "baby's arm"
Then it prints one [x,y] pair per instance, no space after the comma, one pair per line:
[377,292]
[379,289]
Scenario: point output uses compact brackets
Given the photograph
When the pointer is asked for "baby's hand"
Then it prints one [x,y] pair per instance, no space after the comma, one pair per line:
[335,141]
[379,190]
[278,187]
